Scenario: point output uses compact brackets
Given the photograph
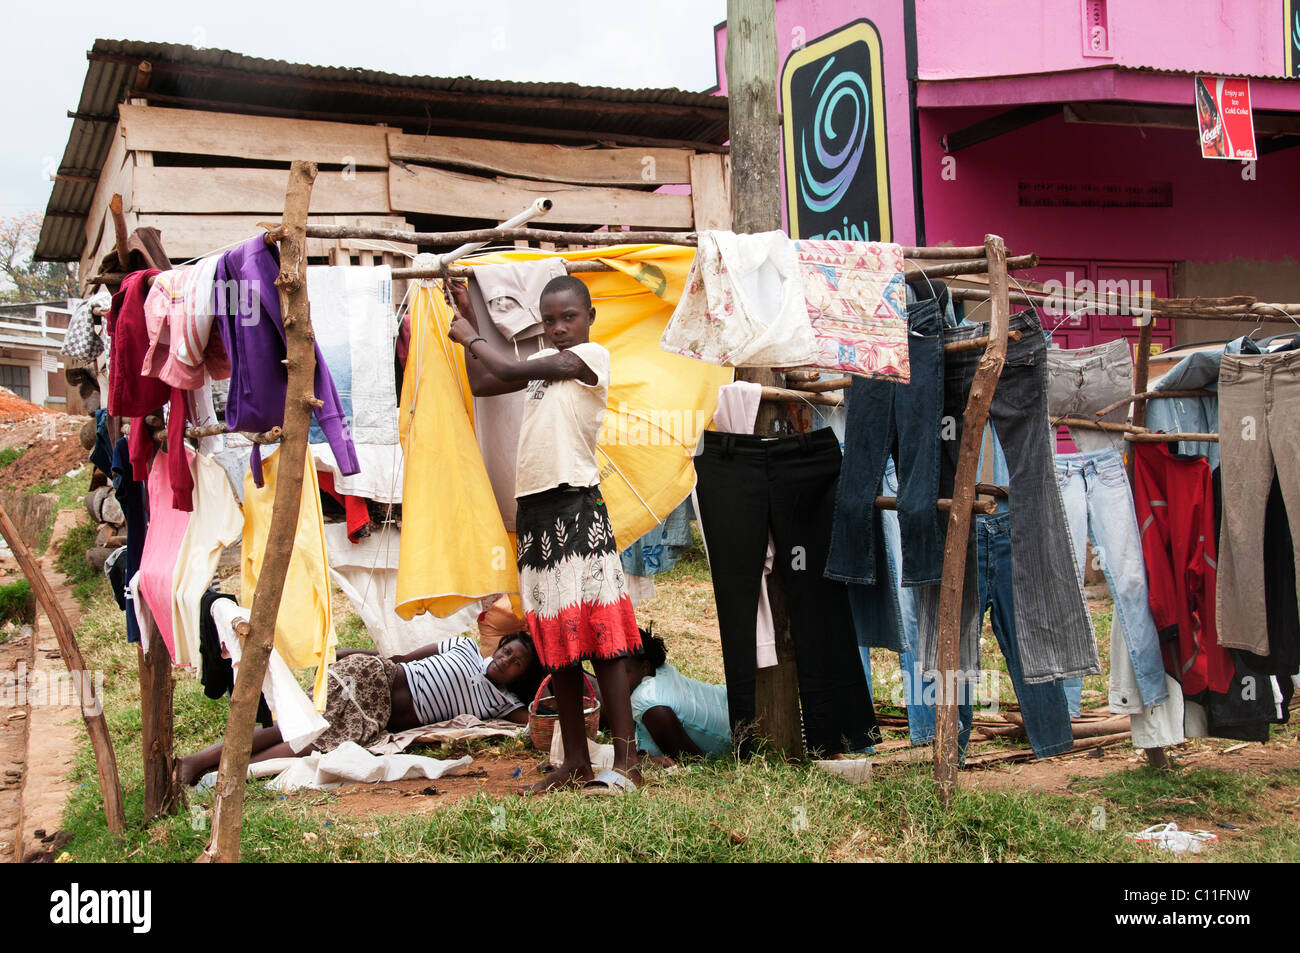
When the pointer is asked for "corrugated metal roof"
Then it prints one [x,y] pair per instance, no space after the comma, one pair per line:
[220,79]
[1202,72]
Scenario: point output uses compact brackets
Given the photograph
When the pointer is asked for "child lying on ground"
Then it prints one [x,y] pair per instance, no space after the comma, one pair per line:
[675,716]
[370,695]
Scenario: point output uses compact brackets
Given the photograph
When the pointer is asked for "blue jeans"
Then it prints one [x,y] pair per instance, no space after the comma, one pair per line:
[1099,506]
[906,420]
[1043,706]
[884,613]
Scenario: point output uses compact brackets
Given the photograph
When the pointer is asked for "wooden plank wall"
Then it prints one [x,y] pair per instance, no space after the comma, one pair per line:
[375,174]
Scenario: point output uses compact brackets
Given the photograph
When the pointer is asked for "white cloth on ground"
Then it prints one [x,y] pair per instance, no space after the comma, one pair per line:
[601,756]
[296,716]
[460,728]
[366,571]
[349,762]
[743,305]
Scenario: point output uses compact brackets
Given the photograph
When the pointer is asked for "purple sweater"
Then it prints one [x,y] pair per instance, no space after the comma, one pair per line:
[248,317]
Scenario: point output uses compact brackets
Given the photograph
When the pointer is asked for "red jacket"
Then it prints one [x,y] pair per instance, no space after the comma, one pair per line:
[1175,510]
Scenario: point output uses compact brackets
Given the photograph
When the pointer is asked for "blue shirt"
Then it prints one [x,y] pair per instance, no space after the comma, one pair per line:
[700,707]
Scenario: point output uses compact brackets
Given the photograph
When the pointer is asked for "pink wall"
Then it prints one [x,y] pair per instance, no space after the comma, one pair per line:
[1216,215]
[803,21]
[962,38]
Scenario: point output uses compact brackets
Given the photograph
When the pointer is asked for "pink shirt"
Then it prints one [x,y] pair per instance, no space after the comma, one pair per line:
[162,545]
[178,319]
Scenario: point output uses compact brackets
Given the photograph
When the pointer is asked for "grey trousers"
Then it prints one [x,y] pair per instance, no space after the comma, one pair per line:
[1083,381]
[1259,426]
[1053,625]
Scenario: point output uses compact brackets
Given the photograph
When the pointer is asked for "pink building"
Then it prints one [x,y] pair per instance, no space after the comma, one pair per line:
[1069,127]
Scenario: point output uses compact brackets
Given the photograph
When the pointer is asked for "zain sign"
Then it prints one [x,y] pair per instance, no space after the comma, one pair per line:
[836,174]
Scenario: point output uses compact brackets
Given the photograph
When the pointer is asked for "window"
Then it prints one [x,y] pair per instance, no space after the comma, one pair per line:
[18,378]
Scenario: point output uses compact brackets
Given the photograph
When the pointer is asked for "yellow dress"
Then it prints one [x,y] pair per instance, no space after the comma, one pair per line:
[659,403]
[454,544]
[304,628]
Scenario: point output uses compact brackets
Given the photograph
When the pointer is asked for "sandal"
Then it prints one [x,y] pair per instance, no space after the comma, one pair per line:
[609,782]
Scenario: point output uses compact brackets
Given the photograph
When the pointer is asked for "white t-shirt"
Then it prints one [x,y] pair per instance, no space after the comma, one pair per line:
[561,426]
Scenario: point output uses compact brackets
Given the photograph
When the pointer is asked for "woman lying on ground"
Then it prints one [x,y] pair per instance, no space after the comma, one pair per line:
[370,695]
[675,716]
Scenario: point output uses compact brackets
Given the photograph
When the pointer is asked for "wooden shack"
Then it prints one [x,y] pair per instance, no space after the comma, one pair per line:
[198,143]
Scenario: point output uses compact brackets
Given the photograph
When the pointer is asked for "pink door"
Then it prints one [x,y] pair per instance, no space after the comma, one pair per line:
[1074,327]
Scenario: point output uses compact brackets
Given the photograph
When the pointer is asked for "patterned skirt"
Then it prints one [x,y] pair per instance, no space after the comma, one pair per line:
[359,703]
[570,579]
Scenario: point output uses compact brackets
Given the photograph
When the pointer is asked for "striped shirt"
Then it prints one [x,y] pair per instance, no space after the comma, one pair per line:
[454,682]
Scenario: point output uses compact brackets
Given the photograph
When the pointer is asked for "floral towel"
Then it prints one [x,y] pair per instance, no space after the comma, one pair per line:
[857,304]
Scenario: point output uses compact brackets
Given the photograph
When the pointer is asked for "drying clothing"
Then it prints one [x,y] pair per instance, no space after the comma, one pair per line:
[513,294]
[454,682]
[281,694]
[1279,583]
[700,707]
[855,295]
[129,393]
[355,510]
[366,572]
[455,551]
[304,628]
[216,523]
[571,582]
[102,455]
[162,546]
[130,495]
[1175,513]
[646,443]
[172,316]
[1197,371]
[215,672]
[1099,507]
[352,315]
[1083,381]
[743,305]
[1162,725]
[1053,625]
[144,250]
[748,486]
[660,549]
[737,412]
[497,418]
[1259,415]
[903,421]
[561,425]
[252,332]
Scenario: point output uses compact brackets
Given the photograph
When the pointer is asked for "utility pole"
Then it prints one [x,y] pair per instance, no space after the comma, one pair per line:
[756,207]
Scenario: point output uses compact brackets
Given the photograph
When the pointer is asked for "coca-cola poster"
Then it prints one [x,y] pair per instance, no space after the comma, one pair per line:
[1223,118]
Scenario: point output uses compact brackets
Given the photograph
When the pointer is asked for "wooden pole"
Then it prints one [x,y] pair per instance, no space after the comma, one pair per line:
[755,128]
[119,230]
[92,707]
[163,793]
[301,360]
[948,660]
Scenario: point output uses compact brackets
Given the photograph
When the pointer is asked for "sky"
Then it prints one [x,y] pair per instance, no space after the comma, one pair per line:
[667,43]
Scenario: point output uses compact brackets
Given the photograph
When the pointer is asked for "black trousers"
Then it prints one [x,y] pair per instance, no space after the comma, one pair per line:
[748,486]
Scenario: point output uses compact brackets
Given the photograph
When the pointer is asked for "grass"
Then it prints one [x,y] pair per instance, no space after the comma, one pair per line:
[762,810]
[85,579]
[16,604]
[68,489]
[9,454]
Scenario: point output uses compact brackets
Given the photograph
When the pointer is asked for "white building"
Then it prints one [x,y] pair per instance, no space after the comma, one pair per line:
[31,340]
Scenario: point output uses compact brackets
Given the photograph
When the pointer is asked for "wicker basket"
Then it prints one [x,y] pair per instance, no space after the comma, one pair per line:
[541,728]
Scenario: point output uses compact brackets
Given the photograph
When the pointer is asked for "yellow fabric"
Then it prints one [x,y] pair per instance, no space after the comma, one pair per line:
[658,402]
[454,545]
[304,628]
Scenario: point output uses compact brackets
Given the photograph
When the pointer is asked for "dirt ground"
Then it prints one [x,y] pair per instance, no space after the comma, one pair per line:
[45,462]
[13,407]
[492,773]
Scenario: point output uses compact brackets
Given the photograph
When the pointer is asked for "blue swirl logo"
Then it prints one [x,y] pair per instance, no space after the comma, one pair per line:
[838,155]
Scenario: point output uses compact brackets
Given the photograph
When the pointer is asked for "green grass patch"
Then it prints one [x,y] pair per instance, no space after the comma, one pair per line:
[85,579]
[1200,794]
[69,489]
[9,454]
[17,604]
